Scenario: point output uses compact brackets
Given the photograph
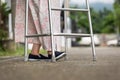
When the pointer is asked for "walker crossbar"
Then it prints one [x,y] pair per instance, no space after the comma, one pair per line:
[69,9]
[61,34]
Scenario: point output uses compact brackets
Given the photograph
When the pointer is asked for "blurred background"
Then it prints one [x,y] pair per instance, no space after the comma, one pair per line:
[105,16]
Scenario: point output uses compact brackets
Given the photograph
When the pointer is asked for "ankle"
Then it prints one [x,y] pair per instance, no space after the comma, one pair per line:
[34,53]
[49,52]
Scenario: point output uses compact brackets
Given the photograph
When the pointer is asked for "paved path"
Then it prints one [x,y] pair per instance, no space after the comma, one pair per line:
[79,66]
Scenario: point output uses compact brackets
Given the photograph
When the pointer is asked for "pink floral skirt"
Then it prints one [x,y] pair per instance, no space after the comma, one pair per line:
[38,22]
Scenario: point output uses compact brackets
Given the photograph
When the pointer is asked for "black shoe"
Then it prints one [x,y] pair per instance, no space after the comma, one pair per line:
[36,57]
[58,55]
[43,57]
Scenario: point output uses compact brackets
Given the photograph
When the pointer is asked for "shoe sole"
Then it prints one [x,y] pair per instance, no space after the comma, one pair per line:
[39,59]
[60,56]
[33,59]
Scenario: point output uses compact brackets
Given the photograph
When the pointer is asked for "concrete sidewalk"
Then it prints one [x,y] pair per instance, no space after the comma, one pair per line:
[79,66]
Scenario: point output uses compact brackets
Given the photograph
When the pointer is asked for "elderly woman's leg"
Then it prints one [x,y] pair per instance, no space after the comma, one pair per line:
[35,55]
[35,49]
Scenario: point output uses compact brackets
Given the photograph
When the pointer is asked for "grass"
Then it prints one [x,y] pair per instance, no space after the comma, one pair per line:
[18,52]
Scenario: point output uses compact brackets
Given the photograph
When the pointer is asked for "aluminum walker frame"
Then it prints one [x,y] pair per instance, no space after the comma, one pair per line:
[52,34]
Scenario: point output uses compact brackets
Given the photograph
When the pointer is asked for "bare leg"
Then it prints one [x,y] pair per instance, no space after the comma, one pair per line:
[35,49]
[49,52]
[35,53]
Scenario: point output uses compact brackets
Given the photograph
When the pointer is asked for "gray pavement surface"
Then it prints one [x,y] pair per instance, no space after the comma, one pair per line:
[79,66]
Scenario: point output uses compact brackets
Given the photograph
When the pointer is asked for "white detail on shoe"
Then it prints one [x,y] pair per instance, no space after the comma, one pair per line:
[60,56]
[33,59]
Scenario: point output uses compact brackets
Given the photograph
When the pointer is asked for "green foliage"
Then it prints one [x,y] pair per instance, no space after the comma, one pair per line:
[102,21]
[4,16]
[5,12]
[109,25]
[3,34]
[117,12]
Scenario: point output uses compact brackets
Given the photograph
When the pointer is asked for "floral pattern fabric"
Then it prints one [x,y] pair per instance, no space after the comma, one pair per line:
[38,22]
